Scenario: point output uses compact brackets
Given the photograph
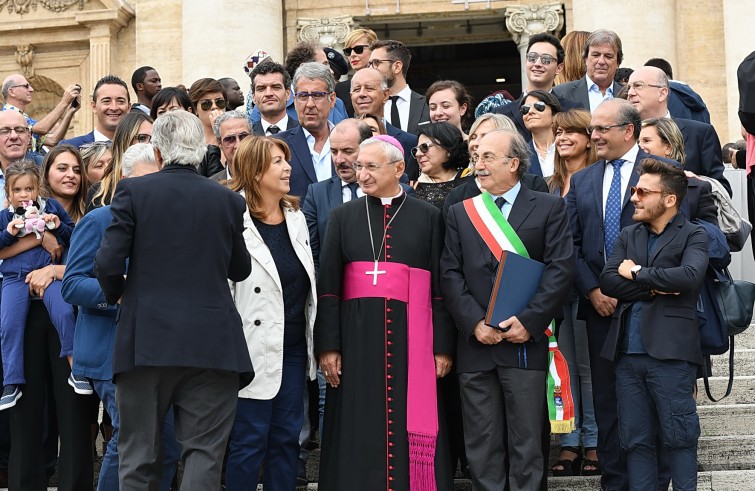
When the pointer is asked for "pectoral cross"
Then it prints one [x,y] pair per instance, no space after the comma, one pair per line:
[374,274]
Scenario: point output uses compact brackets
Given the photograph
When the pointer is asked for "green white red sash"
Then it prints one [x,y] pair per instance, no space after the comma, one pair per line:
[499,235]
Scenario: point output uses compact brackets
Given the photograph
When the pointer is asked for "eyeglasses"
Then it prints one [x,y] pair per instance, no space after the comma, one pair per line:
[231,139]
[207,104]
[143,138]
[424,148]
[20,130]
[376,63]
[638,86]
[642,193]
[539,106]
[358,166]
[358,49]
[545,59]
[27,85]
[317,96]
[604,129]
[489,158]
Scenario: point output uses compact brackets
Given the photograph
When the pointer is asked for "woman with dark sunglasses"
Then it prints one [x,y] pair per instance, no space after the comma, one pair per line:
[443,159]
[537,112]
[209,99]
[357,52]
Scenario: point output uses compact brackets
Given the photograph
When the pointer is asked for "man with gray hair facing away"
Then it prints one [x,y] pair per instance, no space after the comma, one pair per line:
[179,338]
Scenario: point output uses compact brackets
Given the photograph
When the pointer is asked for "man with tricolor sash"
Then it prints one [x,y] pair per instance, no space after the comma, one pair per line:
[506,374]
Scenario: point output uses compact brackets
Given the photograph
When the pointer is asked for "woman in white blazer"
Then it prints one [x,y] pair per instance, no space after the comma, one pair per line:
[277,304]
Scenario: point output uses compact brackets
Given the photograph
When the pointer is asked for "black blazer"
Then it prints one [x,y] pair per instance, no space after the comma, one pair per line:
[576,92]
[470,189]
[343,92]
[702,150]
[258,131]
[419,112]
[407,141]
[668,323]
[468,269]
[182,236]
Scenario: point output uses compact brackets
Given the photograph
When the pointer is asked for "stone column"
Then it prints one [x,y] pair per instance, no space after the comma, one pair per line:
[217,41]
[522,21]
[737,43]
[329,32]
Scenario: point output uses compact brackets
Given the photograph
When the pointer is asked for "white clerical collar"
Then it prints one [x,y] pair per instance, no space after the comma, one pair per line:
[389,200]
[99,137]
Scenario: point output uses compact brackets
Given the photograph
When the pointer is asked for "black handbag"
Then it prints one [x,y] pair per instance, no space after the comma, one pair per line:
[735,299]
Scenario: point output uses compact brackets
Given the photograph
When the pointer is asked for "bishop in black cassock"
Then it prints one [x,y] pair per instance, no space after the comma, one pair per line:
[362,332]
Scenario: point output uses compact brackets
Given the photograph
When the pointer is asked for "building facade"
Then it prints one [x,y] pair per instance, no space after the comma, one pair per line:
[478,42]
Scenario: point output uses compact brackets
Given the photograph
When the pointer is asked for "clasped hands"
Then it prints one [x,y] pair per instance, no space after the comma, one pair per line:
[516,332]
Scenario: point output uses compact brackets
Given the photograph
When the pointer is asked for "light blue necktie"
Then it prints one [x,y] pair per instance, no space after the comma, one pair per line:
[613,208]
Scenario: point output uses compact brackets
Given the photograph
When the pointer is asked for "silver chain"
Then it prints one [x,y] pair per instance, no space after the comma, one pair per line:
[385,231]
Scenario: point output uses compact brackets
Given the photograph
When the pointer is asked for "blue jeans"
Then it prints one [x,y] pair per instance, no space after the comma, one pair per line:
[572,341]
[266,432]
[108,480]
[655,397]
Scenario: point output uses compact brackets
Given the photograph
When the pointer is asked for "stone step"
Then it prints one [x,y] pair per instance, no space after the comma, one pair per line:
[726,453]
[744,363]
[726,419]
[742,392]
[745,339]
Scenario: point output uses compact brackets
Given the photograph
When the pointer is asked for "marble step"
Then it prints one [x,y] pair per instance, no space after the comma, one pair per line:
[744,362]
[742,392]
[727,419]
[745,339]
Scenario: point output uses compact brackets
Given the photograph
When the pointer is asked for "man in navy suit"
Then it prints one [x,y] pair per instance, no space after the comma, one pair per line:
[544,60]
[655,271]
[648,91]
[271,89]
[602,55]
[314,97]
[110,102]
[369,92]
[615,128]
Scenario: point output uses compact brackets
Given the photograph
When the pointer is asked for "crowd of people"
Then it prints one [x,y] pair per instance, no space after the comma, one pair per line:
[227,277]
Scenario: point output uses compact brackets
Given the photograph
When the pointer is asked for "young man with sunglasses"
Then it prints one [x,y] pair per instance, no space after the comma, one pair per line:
[18,93]
[655,272]
[544,60]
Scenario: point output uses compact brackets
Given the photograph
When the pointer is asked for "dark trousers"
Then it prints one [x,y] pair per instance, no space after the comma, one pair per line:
[204,404]
[612,459]
[266,433]
[27,457]
[503,413]
[655,398]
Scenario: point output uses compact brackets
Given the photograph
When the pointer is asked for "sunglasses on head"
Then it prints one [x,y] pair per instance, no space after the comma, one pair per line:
[207,104]
[358,49]
[539,106]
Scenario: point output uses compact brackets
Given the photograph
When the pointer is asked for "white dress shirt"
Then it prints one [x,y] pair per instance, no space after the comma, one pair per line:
[404,99]
[282,124]
[594,94]
[322,161]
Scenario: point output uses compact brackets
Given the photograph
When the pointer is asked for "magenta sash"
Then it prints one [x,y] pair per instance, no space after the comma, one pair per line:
[412,286]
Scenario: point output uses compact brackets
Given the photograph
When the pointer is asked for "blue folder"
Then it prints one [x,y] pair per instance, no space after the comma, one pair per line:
[516,282]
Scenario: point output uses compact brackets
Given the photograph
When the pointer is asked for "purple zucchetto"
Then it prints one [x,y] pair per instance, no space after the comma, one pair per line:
[392,141]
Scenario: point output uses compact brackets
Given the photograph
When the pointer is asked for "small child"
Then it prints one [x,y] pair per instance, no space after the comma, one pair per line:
[22,185]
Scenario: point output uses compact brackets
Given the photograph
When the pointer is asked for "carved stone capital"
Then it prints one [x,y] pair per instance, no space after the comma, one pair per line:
[329,31]
[25,59]
[522,21]
[23,6]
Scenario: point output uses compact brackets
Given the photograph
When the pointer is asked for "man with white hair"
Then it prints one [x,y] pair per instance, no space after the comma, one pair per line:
[179,338]
[383,334]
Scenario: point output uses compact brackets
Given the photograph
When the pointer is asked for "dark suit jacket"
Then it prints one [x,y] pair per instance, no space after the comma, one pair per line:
[322,197]
[78,141]
[512,112]
[702,150]
[343,92]
[258,131]
[468,268]
[576,92]
[470,189]
[585,203]
[419,112]
[534,161]
[668,323]
[176,307]
[407,141]
[302,168]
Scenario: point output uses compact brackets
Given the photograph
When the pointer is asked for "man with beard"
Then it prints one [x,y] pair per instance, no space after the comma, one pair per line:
[655,272]
[110,102]
[146,83]
[270,91]
[369,92]
[407,109]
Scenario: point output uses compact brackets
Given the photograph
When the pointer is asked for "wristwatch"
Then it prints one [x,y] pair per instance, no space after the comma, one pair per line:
[635,269]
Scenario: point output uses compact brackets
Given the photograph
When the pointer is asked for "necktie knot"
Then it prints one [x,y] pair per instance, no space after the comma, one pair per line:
[500,201]
[353,186]
[617,163]
[272,129]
